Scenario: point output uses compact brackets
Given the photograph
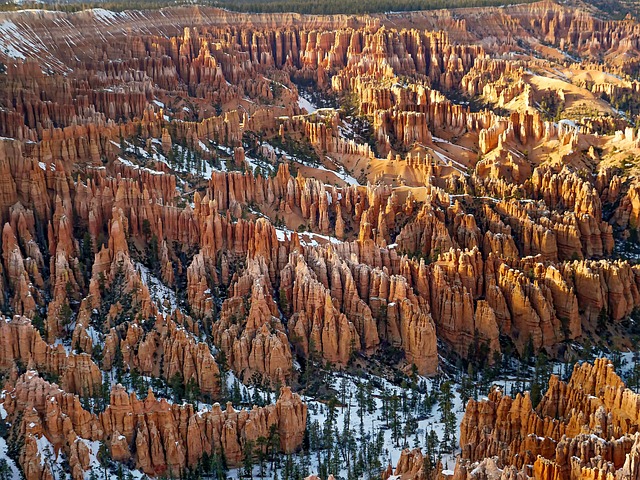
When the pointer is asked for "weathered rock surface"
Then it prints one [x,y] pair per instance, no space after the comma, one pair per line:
[169,211]
[583,428]
[160,438]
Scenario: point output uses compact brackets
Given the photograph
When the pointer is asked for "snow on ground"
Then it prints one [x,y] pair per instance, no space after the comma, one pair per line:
[347,416]
[375,421]
[96,470]
[203,147]
[46,451]
[254,163]
[306,104]
[94,335]
[311,239]
[442,140]
[105,16]
[206,167]
[13,468]
[164,297]
[283,234]
[568,123]
[225,149]
[341,172]
[449,161]
[9,31]
[67,348]
[346,130]
[19,41]
[128,163]
[306,238]
[15,471]
[348,178]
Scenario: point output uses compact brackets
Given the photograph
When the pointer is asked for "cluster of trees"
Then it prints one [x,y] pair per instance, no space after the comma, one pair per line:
[551,105]
[324,7]
[5,470]
[106,468]
[231,390]
[115,292]
[77,6]
[98,401]
[299,149]
[252,143]
[58,464]
[627,101]
[181,157]
[334,447]
[270,6]
[616,9]
[12,435]
[632,377]
[211,467]
[184,159]
[308,88]
[346,432]
[264,450]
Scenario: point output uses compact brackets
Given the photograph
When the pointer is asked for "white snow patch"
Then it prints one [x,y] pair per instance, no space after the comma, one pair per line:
[306,104]
[105,16]
[45,450]
[164,297]
[9,39]
[13,468]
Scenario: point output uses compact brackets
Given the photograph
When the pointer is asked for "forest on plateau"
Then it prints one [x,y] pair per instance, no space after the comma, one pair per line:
[312,7]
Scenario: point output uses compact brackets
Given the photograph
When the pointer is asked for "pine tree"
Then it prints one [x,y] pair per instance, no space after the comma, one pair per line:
[65,318]
[103,457]
[361,402]
[223,368]
[273,446]
[5,470]
[236,394]
[466,387]
[262,444]
[540,375]
[394,404]
[447,417]
[247,460]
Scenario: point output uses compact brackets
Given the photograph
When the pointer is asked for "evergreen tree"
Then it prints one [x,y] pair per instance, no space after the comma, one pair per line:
[262,444]
[5,470]
[540,377]
[447,417]
[104,458]
[466,387]
[247,458]
[273,446]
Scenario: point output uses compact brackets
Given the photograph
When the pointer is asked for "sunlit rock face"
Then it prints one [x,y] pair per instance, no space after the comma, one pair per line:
[193,198]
